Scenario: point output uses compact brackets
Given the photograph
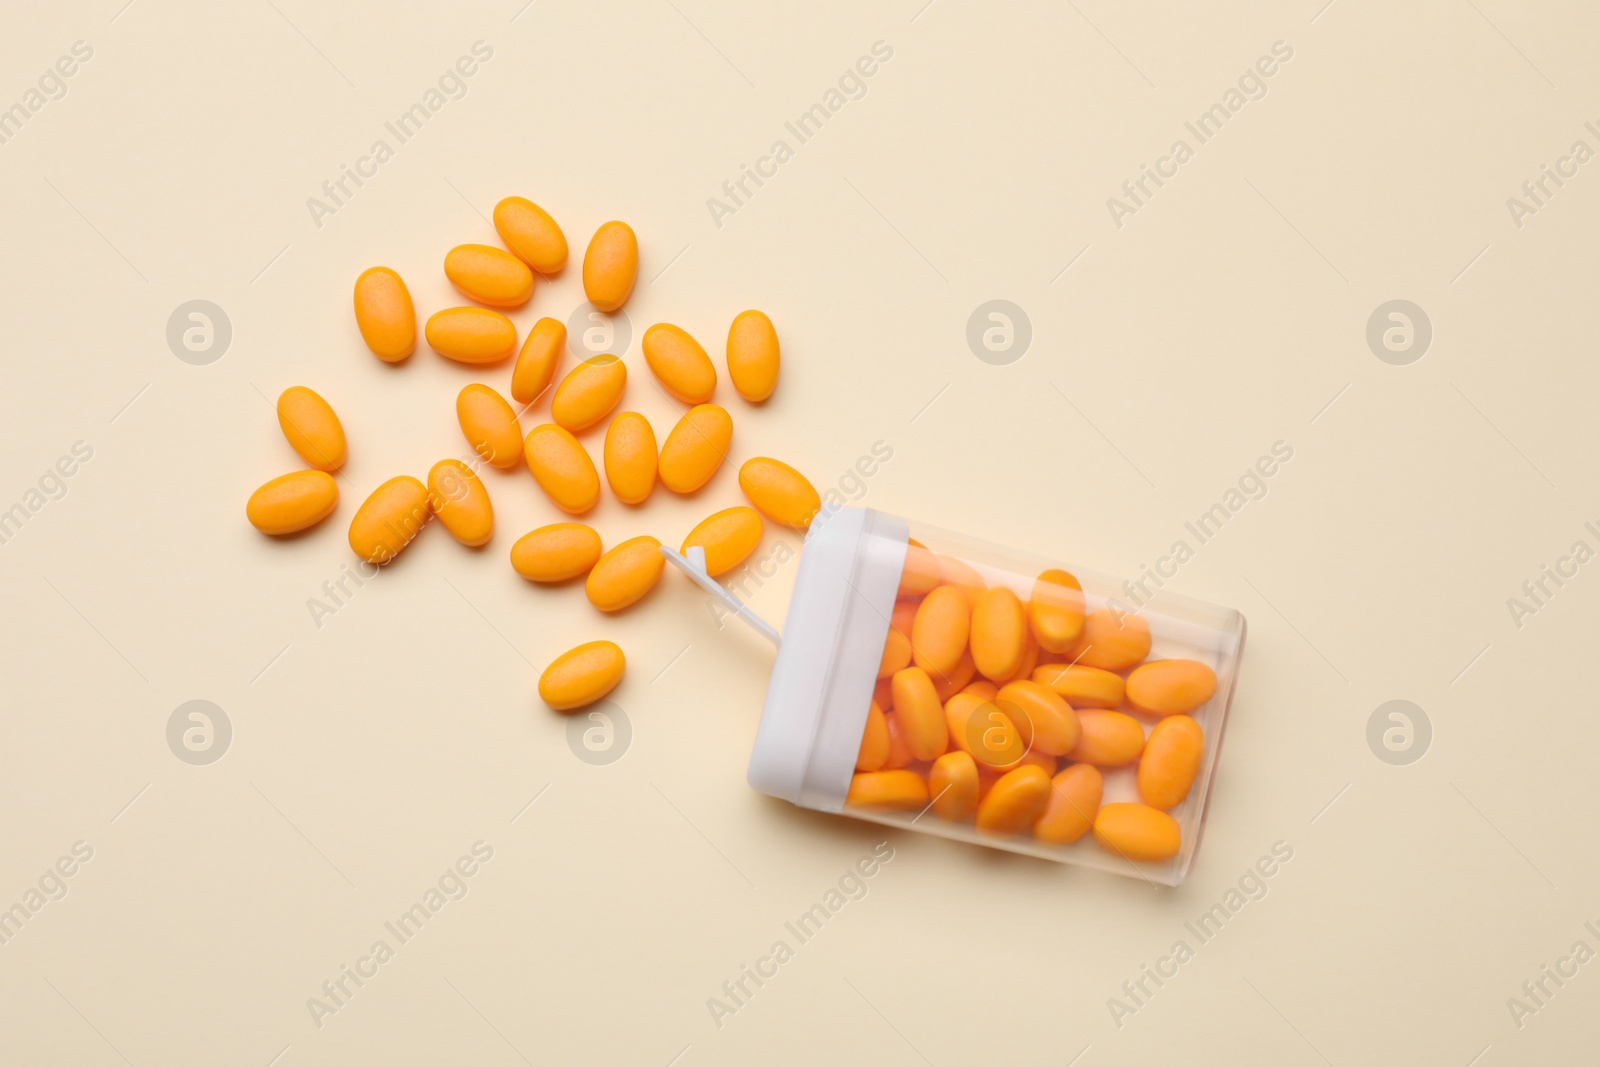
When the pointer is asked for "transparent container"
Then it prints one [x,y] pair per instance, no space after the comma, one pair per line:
[932,682]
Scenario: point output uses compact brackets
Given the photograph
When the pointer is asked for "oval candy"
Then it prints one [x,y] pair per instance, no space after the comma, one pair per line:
[1044,720]
[556,553]
[874,740]
[896,654]
[1030,658]
[389,519]
[896,790]
[625,574]
[581,675]
[537,362]
[920,714]
[920,574]
[1171,686]
[1015,802]
[1170,761]
[983,730]
[679,363]
[1055,610]
[562,468]
[1138,832]
[312,428]
[292,502]
[1110,640]
[385,315]
[953,783]
[779,492]
[998,630]
[1074,801]
[753,356]
[489,425]
[899,755]
[1107,738]
[951,682]
[459,499]
[695,448]
[1080,686]
[983,688]
[531,234]
[630,457]
[471,335]
[489,275]
[728,538]
[939,632]
[905,612]
[589,392]
[610,266]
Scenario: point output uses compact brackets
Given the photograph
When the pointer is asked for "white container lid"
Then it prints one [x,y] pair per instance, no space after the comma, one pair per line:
[822,681]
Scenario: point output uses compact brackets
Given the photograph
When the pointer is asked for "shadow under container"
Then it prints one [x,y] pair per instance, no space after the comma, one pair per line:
[936,683]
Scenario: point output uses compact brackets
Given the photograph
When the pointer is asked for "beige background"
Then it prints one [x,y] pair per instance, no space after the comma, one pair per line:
[1229,313]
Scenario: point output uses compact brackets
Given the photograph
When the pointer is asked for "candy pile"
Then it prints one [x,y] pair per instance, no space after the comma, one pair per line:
[694,450]
[1007,711]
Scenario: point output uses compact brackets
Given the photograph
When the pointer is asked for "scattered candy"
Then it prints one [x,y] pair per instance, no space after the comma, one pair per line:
[292,502]
[458,498]
[385,315]
[753,356]
[625,573]
[630,457]
[537,362]
[728,538]
[556,553]
[489,275]
[562,468]
[530,233]
[610,266]
[471,335]
[582,675]
[490,426]
[390,519]
[589,393]
[679,363]
[313,430]
[695,448]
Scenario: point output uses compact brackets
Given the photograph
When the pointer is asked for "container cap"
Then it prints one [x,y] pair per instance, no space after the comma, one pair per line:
[833,636]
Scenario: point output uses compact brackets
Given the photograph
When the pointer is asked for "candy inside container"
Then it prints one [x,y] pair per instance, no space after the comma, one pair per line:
[936,683]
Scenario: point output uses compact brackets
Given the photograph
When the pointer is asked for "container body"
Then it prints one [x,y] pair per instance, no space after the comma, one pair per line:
[938,683]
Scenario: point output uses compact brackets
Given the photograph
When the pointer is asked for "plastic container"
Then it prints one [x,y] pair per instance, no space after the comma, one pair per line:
[860,569]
